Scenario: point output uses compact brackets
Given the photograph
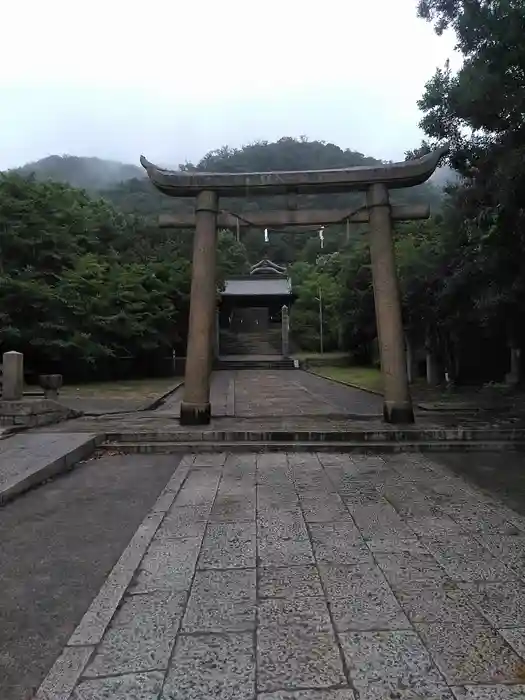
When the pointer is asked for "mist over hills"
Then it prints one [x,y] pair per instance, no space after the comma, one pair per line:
[92,174]
[444,176]
[127,186]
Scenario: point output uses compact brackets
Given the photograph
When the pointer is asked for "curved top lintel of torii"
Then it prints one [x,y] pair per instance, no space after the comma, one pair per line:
[409,173]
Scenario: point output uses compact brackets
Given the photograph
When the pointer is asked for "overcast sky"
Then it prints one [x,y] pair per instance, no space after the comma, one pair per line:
[174,79]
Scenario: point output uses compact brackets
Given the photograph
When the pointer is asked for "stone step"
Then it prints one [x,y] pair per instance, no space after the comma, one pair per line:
[246,350]
[247,363]
[376,435]
[313,446]
[249,350]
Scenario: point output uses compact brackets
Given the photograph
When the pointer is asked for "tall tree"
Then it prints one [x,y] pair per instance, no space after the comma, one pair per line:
[480,111]
[78,284]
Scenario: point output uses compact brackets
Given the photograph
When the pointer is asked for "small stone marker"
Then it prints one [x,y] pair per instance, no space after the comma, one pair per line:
[13,376]
[285,330]
[50,383]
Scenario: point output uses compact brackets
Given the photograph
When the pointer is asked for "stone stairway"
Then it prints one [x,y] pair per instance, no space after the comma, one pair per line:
[266,342]
[234,362]
[252,350]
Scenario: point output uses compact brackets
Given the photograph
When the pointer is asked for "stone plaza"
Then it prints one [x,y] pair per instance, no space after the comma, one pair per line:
[308,577]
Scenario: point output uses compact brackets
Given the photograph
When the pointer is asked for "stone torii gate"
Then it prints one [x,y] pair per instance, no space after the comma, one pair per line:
[207,188]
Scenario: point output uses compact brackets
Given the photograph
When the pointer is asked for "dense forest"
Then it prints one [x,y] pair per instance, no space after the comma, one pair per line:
[90,286]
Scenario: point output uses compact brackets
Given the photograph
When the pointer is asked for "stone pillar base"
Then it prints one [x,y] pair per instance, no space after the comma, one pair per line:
[195,413]
[398,413]
[512,379]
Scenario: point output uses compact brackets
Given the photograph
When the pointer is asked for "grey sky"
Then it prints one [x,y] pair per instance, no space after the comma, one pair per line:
[173,79]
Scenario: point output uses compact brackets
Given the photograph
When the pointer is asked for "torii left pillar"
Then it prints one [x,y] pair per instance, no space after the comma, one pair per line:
[195,408]
[397,405]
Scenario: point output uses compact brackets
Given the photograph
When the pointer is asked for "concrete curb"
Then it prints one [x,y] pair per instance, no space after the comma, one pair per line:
[151,406]
[160,400]
[340,446]
[64,674]
[358,435]
[64,463]
[338,381]
[433,439]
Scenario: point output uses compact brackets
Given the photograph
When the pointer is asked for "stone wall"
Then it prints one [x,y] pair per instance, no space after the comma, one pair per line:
[32,413]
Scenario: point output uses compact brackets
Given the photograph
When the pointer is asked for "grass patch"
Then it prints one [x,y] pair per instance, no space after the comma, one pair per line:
[137,389]
[318,356]
[364,377]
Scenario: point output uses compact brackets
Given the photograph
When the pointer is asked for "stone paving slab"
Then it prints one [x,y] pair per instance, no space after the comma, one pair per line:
[29,459]
[364,602]
[141,635]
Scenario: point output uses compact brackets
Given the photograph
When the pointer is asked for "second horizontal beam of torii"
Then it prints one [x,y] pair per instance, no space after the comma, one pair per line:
[295,217]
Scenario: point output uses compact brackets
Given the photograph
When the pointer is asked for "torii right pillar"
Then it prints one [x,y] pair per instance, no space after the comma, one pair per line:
[397,407]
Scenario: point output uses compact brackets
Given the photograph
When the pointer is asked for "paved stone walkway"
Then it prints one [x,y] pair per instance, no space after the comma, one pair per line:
[304,393]
[269,399]
[262,393]
[273,400]
[308,577]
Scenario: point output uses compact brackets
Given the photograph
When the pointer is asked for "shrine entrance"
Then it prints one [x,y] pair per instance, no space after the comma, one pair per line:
[250,317]
[374,181]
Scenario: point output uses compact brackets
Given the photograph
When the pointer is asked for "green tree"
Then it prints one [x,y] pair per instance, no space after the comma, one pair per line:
[318,291]
[77,285]
[232,257]
[479,111]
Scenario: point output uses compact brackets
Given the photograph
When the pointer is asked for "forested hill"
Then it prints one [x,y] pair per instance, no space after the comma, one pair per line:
[138,197]
[126,186]
[128,189]
[91,174]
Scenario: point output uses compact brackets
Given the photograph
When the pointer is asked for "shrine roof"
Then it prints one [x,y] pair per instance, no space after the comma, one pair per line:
[267,267]
[408,173]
